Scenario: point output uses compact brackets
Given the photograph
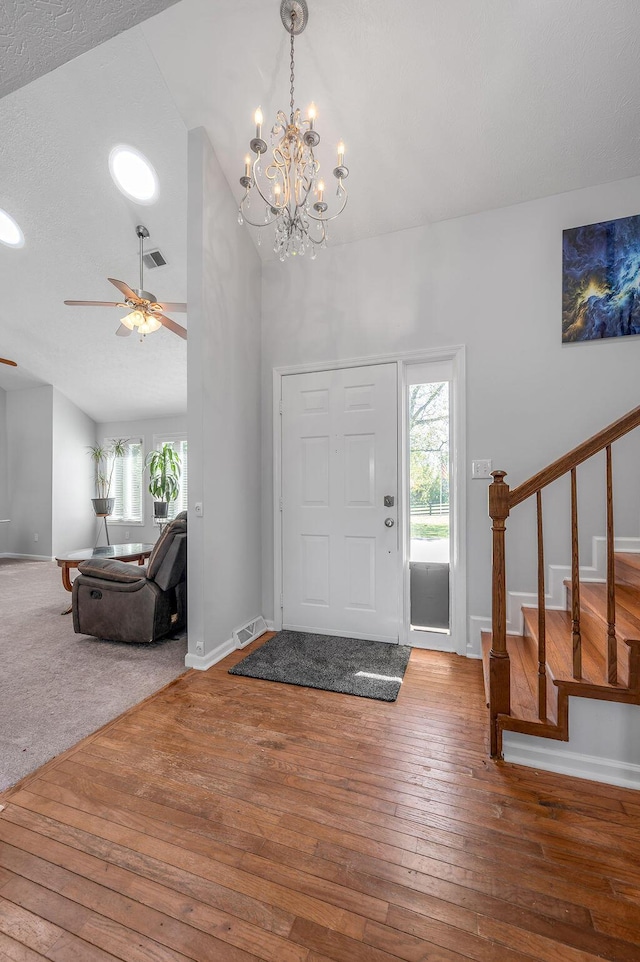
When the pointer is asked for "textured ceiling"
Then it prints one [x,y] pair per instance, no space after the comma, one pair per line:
[445,108]
[37,36]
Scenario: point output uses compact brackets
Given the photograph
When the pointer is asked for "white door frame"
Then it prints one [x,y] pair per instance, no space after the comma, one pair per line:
[456,641]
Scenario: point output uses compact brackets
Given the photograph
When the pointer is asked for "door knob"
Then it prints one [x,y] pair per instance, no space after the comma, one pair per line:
[389,522]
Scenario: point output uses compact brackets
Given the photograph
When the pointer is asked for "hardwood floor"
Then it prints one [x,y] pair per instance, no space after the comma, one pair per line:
[232,819]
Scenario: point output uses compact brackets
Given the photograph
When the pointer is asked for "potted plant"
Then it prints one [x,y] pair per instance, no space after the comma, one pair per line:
[104,459]
[165,468]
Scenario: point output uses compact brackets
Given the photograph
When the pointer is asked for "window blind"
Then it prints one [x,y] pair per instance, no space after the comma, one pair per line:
[127,483]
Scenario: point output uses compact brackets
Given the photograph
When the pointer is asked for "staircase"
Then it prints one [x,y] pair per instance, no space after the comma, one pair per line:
[559,683]
[591,649]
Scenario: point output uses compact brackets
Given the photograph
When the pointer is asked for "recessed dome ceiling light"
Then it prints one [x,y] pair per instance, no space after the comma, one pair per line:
[10,233]
[133,174]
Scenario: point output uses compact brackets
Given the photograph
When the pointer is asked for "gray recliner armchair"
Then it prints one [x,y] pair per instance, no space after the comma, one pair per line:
[121,601]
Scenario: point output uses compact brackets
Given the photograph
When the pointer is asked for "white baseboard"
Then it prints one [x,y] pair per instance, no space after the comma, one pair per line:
[26,557]
[477,625]
[203,662]
[271,625]
[558,759]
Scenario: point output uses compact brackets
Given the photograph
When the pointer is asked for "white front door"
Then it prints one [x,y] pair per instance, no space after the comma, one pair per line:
[339,462]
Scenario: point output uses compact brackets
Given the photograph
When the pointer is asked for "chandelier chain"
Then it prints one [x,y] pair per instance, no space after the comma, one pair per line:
[292,64]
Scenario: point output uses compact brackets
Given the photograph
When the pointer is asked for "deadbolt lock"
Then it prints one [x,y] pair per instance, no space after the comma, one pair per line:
[389,500]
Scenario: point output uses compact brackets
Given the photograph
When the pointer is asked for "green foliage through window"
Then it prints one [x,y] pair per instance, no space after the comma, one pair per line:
[429,447]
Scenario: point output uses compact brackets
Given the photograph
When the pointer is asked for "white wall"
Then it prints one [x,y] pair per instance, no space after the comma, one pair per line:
[29,460]
[4,481]
[73,519]
[604,744]
[148,429]
[224,411]
[491,281]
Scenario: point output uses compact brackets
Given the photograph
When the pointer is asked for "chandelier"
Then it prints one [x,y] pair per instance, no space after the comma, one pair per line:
[288,191]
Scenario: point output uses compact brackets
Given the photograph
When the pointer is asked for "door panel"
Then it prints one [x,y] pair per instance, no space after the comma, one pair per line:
[339,460]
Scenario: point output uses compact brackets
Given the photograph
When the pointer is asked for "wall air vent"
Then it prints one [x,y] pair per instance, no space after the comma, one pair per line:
[153,259]
[249,632]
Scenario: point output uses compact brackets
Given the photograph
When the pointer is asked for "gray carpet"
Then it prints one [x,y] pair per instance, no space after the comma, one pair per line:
[371,669]
[56,686]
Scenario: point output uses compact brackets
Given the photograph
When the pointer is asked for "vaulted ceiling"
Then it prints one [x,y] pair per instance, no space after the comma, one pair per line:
[445,109]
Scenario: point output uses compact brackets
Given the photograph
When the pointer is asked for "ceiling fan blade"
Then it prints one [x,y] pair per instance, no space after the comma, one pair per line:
[174,307]
[123,331]
[172,325]
[124,289]
[3,360]
[91,303]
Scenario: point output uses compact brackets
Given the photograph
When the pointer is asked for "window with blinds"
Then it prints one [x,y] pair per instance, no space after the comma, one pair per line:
[127,483]
[179,444]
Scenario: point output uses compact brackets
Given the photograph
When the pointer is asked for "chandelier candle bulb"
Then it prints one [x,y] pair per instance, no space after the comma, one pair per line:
[258,118]
[247,166]
[312,115]
[320,190]
[340,154]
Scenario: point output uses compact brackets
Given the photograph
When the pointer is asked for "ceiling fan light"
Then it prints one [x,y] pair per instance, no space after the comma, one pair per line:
[10,233]
[133,320]
[133,174]
[150,325]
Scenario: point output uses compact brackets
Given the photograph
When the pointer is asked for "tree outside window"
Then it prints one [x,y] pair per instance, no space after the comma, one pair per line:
[429,459]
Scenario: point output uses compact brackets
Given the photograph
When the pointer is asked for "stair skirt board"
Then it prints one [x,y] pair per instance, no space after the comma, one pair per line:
[603,746]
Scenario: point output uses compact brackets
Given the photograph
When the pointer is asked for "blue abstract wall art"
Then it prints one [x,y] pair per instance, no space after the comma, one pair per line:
[601,280]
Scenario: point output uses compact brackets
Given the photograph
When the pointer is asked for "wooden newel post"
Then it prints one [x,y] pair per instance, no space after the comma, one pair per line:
[499,667]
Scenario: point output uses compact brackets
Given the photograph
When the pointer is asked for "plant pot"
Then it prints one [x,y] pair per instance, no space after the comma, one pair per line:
[160,509]
[103,507]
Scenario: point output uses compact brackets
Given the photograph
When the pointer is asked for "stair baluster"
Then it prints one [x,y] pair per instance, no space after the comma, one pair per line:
[612,643]
[575,581]
[542,637]
[499,666]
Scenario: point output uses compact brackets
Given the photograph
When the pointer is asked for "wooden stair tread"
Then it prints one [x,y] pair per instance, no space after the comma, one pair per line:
[628,567]
[559,648]
[594,596]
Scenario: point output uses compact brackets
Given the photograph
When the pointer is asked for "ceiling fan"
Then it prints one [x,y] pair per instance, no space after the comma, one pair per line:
[147,314]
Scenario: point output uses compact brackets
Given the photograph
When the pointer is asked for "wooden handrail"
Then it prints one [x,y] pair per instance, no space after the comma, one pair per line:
[575,457]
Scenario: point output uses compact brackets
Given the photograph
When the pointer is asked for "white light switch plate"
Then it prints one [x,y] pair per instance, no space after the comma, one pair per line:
[481,469]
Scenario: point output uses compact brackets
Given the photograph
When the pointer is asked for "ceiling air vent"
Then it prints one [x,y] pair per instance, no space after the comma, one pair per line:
[153,259]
